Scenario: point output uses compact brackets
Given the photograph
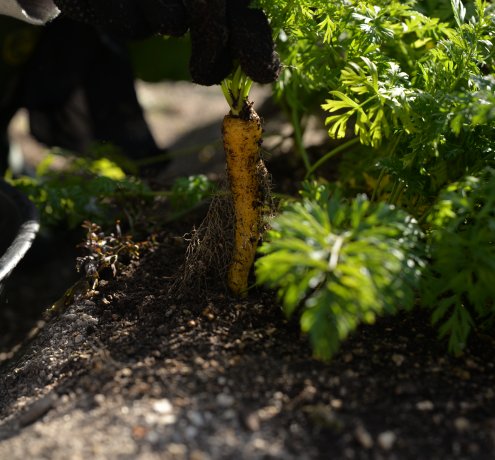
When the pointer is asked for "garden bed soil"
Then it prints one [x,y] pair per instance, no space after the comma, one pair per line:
[134,373]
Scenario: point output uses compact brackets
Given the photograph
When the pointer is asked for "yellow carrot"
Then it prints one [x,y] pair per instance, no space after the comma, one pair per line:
[241,140]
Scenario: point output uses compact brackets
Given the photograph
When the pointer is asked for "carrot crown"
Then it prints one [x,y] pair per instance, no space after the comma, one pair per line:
[236,90]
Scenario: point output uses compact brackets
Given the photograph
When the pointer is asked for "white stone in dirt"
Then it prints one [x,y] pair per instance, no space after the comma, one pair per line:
[398,359]
[363,437]
[386,440]
[424,406]
[163,406]
[225,400]
[78,339]
[163,413]
[461,424]
[126,372]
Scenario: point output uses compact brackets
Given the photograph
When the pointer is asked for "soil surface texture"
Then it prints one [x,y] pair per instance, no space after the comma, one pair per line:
[136,372]
[133,373]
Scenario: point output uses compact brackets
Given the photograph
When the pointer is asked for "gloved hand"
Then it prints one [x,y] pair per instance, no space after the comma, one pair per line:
[130,18]
[222,31]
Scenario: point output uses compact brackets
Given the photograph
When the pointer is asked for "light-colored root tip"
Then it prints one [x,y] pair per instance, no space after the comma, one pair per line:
[208,253]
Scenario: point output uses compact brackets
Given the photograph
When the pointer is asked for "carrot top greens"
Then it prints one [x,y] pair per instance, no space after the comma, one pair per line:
[236,89]
[406,89]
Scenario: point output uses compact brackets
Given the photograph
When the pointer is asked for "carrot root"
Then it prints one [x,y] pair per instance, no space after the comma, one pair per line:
[242,138]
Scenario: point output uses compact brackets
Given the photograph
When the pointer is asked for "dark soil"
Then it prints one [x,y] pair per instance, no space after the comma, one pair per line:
[133,373]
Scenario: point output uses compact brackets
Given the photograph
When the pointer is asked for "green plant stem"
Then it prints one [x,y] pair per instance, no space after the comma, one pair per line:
[424,216]
[377,186]
[236,90]
[340,148]
[226,92]
[397,190]
[298,137]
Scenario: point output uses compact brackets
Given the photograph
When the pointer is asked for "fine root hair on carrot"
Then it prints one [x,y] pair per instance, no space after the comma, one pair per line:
[210,246]
[208,253]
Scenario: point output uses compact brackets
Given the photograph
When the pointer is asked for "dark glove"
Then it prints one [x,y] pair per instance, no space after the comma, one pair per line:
[129,18]
[251,42]
[222,31]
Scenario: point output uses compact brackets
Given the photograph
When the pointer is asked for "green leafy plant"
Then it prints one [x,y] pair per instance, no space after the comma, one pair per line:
[411,98]
[323,43]
[343,262]
[459,286]
[85,189]
[188,192]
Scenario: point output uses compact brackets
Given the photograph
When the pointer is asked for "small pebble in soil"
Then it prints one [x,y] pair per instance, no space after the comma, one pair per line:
[191,432]
[252,421]
[386,440]
[461,424]
[126,372]
[78,339]
[153,437]
[424,406]
[199,455]
[163,406]
[363,437]
[139,432]
[229,414]
[225,400]
[195,418]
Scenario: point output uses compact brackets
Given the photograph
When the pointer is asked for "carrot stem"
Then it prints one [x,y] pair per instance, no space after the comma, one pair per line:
[236,90]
